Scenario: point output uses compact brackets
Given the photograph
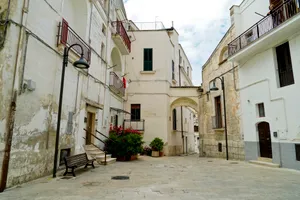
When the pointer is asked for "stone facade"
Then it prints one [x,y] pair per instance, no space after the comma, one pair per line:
[210,137]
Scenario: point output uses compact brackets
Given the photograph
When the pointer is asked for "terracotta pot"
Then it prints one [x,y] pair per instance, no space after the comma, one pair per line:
[121,158]
[133,157]
[155,154]
[161,154]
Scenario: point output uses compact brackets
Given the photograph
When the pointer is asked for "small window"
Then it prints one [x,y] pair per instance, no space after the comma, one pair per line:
[174,120]
[285,68]
[218,112]
[135,112]
[103,29]
[196,128]
[220,147]
[188,71]
[261,110]
[297,148]
[173,70]
[148,59]
[103,51]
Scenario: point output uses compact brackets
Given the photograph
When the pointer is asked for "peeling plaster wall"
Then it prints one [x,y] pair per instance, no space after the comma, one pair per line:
[33,141]
[210,138]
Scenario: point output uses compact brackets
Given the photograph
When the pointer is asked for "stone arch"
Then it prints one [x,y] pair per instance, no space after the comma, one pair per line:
[223,55]
[75,13]
[185,101]
[116,60]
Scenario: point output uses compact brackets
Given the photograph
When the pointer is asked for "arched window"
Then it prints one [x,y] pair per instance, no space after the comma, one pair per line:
[174,120]
[223,55]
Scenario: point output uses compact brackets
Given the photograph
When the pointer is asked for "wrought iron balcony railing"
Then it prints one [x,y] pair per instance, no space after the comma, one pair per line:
[119,29]
[138,125]
[217,122]
[67,36]
[116,84]
[274,19]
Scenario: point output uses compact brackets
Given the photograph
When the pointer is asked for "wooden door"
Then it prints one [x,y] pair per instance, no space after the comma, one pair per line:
[265,143]
[90,128]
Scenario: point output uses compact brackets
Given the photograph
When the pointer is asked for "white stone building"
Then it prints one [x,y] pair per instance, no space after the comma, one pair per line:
[33,35]
[161,97]
[267,53]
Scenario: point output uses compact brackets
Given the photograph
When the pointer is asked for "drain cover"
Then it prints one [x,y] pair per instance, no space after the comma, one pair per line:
[120,177]
[234,163]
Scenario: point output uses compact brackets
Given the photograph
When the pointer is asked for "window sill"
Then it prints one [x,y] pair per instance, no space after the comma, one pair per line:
[219,129]
[147,72]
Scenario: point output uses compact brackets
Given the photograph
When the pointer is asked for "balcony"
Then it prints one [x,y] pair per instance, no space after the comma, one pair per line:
[67,36]
[217,123]
[116,84]
[121,38]
[138,125]
[272,30]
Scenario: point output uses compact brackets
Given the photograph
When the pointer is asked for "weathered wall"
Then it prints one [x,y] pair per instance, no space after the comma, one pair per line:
[33,141]
[209,137]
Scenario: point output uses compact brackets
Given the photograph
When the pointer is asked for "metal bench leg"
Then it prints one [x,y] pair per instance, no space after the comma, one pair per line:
[86,165]
[93,164]
[66,171]
[73,172]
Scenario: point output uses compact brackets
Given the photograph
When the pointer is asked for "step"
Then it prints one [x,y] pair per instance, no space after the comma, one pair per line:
[262,163]
[265,159]
[102,157]
[94,151]
[108,161]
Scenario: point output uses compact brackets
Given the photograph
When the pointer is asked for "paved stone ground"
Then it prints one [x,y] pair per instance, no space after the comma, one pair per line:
[167,178]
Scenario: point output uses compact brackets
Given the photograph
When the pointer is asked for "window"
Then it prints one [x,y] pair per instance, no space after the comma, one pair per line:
[103,29]
[173,70]
[116,120]
[135,112]
[196,128]
[285,69]
[103,51]
[148,59]
[223,55]
[188,71]
[218,112]
[297,148]
[174,119]
[261,109]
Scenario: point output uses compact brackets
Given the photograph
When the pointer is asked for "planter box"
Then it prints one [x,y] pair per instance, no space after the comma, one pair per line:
[155,153]
[127,158]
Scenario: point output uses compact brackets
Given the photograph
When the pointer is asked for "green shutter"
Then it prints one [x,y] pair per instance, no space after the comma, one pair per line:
[148,60]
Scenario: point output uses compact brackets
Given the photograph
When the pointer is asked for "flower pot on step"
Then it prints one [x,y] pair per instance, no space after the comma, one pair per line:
[133,157]
[161,154]
[155,154]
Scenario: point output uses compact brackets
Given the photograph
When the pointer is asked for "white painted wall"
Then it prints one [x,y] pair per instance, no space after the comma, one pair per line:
[259,83]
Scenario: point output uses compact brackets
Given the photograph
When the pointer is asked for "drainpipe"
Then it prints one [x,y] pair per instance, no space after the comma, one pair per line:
[10,119]
[181,115]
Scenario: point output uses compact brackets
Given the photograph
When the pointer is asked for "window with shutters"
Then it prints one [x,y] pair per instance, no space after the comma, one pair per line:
[135,112]
[173,70]
[148,59]
[284,63]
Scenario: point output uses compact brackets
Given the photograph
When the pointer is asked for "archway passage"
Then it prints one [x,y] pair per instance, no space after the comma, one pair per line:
[116,61]
[265,143]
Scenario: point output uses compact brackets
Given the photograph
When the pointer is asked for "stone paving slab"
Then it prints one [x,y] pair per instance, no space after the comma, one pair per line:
[176,178]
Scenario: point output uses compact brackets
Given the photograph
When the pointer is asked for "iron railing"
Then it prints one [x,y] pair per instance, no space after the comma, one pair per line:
[274,19]
[119,29]
[138,125]
[116,83]
[67,36]
[217,122]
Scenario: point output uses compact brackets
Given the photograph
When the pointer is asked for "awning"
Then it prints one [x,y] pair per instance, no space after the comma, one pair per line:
[120,110]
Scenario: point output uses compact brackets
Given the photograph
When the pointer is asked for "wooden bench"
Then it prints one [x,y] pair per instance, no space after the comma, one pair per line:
[73,162]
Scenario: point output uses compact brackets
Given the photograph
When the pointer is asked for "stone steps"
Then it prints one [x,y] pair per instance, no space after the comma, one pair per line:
[108,161]
[99,155]
[263,163]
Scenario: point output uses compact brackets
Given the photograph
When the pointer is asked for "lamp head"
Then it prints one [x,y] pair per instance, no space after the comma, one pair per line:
[81,63]
[214,87]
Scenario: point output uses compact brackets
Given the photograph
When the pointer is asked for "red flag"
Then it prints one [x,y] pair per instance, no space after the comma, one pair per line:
[124,82]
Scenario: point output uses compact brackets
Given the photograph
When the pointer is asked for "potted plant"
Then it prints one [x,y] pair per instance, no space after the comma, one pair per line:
[156,145]
[124,144]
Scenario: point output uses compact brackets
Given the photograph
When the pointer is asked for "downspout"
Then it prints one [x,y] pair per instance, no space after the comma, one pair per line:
[106,61]
[181,115]
[10,119]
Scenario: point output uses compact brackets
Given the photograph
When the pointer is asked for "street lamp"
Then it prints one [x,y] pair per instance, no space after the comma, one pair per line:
[80,64]
[215,88]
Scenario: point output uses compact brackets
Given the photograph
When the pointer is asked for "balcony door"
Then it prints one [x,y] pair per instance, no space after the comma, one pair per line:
[90,127]
[218,112]
[135,112]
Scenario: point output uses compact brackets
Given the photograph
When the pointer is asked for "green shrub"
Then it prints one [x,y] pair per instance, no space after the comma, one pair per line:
[157,144]
[125,143]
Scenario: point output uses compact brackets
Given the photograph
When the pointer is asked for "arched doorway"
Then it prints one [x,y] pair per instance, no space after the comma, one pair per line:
[116,61]
[265,143]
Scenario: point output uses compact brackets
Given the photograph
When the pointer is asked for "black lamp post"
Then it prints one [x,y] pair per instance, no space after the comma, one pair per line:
[81,64]
[215,88]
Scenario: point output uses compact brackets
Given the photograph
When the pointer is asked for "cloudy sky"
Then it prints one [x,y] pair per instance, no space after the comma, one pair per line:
[200,23]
